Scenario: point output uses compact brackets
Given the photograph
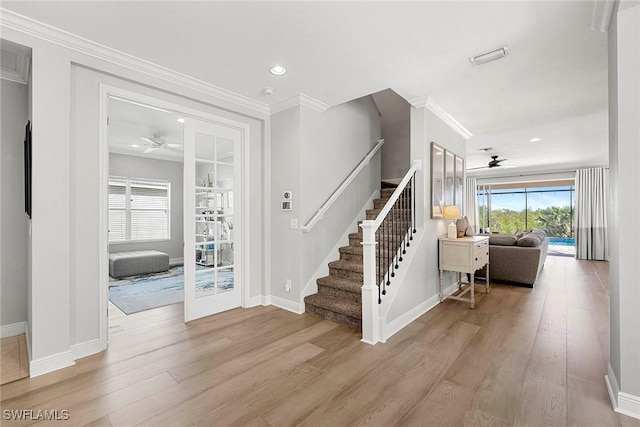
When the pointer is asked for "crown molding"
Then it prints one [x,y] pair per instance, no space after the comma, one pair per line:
[601,16]
[40,30]
[428,103]
[300,100]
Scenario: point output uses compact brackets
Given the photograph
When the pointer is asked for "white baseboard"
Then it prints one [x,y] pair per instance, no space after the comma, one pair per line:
[396,325]
[13,329]
[622,403]
[255,301]
[86,348]
[51,363]
[175,261]
[284,304]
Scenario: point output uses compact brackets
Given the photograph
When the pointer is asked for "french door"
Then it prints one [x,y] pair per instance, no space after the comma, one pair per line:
[212,226]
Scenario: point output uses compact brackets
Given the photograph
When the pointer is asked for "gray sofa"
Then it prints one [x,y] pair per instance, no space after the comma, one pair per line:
[516,259]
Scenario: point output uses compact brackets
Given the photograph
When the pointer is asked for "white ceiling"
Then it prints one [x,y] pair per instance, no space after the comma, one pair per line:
[552,86]
[129,122]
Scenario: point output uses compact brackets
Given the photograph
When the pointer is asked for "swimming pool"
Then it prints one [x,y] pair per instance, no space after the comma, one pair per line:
[562,241]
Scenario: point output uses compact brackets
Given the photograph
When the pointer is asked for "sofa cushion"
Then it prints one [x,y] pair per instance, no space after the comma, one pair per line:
[529,240]
[502,239]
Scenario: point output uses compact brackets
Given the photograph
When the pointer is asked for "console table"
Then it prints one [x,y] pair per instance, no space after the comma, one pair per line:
[463,255]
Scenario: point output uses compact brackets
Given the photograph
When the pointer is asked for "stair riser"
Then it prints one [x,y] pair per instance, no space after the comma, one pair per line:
[340,294]
[334,317]
[346,274]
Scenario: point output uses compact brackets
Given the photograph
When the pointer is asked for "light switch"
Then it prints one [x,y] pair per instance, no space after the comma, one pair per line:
[293,223]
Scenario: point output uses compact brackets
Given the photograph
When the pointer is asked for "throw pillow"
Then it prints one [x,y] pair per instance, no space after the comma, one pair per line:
[529,240]
[502,240]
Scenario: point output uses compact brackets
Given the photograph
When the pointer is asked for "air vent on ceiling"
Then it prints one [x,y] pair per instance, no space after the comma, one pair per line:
[490,56]
[485,149]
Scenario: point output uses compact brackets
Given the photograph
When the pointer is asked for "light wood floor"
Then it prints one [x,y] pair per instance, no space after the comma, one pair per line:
[522,357]
[14,361]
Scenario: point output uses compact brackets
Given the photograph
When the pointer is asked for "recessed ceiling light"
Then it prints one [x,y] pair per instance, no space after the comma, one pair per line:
[135,145]
[535,139]
[180,120]
[277,70]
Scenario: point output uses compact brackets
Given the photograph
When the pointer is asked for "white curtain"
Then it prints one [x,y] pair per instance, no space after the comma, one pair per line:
[471,202]
[591,214]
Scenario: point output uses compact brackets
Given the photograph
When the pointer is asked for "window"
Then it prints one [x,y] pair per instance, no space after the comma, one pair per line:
[508,208]
[139,210]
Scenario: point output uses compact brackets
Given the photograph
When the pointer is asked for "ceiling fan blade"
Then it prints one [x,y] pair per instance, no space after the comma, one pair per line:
[148,140]
[173,150]
[174,145]
[149,150]
[481,167]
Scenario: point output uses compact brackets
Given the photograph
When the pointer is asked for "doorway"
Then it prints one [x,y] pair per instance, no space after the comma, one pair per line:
[213,215]
[145,212]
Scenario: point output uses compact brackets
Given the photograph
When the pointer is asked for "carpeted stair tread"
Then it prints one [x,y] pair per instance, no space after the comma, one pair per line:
[347,308]
[347,265]
[357,250]
[340,283]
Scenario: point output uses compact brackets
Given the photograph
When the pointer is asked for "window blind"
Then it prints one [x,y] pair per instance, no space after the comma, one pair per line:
[139,210]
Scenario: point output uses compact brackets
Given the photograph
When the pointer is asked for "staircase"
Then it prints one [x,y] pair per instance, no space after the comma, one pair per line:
[339,297]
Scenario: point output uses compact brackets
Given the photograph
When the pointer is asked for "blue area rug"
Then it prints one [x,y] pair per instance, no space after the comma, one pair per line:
[140,293]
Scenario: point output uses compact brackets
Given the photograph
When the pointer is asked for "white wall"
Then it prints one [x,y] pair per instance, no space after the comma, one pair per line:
[140,167]
[624,149]
[312,154]
[65,250]
[13,220]
[395,114]
[421,280]
[285,166]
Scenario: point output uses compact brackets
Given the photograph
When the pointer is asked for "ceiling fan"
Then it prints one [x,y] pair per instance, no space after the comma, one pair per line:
[493,163]
[157,143]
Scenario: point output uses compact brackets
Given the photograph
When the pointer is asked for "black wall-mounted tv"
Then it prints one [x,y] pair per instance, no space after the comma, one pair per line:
[27,169]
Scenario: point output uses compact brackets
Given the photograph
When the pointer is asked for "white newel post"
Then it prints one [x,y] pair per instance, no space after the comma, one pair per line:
[370,327]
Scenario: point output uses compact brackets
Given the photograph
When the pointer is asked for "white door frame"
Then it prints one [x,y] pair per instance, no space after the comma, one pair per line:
[107,91]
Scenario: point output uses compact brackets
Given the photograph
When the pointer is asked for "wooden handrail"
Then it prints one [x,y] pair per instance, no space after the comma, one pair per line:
[324,208]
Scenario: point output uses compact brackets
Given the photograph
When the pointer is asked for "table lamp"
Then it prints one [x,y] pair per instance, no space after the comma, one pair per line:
[452,212]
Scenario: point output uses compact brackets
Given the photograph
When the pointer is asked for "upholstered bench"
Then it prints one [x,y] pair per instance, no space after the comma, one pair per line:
[122,264]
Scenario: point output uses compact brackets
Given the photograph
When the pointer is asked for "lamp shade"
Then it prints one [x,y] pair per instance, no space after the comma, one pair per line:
[451,212]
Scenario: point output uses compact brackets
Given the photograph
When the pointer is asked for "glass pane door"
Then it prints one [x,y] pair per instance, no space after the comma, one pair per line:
[212,284]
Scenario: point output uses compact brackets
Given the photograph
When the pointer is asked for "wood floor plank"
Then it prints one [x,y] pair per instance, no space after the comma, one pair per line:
[194,398]
[588,404]
[500,390]
[542,404]
[86,412]
[446,405]
[258,400]
[371,398]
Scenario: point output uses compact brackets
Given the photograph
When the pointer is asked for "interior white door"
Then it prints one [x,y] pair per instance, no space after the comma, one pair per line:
[212,225]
